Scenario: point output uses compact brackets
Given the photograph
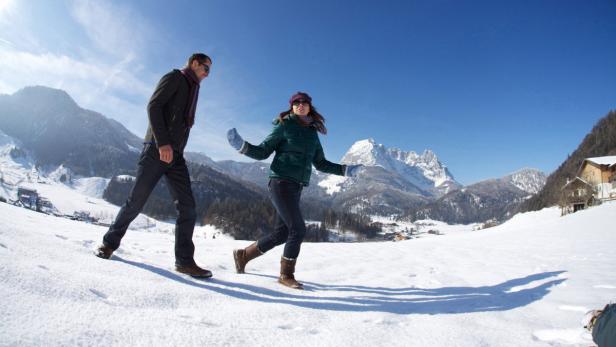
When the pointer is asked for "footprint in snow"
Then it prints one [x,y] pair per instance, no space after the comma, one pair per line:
[87,243]
[99,294]
[289,327]
[3,246]
[202,321]
[61,237]
[43,267]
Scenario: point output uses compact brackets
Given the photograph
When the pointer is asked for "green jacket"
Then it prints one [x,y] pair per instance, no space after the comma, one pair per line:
[297,148]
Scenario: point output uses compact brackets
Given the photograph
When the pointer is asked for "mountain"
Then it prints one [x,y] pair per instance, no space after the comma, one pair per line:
[49,123]
[493,199]
[601,141]
[55,132]
[255,172]
[403,183]
[202,159]
[423,171]
[392,182]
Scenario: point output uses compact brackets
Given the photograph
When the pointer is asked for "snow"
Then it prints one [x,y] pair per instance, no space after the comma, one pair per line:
[425,171]
[332,183]
[526,282]
[91,186]
[608,160]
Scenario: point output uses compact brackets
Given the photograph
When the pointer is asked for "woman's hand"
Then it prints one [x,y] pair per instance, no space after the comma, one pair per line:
[235,140]
[352,170]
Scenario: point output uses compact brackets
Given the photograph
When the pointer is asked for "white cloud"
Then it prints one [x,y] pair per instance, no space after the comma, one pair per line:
[88,83]
[114,29]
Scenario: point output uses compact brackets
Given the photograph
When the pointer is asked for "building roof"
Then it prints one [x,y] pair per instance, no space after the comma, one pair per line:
[576,179]
[609,160]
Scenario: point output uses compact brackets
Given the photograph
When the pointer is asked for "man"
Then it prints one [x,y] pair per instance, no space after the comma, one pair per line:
[171,113]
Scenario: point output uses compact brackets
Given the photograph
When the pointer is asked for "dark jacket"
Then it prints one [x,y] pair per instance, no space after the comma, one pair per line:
[166,112]
[297,148]
[604,330]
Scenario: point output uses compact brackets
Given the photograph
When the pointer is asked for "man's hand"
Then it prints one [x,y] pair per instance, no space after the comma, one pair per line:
[166,153]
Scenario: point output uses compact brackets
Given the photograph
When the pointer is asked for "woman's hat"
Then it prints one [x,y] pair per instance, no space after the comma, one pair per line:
[300,96]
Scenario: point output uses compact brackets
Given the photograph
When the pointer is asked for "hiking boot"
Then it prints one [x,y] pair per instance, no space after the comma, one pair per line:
[193,271]
[243,256]
[103,251]
[287,269]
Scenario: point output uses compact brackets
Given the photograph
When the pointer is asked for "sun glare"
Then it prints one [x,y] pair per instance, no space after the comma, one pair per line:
[4,4]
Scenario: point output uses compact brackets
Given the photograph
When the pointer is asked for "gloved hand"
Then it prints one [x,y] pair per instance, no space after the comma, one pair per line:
[352,170]
[235,140]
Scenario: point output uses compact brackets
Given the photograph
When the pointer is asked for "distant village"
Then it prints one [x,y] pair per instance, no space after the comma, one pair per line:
[31,199]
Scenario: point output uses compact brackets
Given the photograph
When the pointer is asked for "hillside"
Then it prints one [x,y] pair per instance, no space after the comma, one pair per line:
[601,141]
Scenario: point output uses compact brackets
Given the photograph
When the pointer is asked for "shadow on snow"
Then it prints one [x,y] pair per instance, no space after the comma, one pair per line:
[508,295]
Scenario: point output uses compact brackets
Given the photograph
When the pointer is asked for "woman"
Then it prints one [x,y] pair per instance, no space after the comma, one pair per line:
[297,146]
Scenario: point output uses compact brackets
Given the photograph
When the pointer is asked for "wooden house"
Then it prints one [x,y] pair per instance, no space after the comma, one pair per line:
[600,172]
[576,195]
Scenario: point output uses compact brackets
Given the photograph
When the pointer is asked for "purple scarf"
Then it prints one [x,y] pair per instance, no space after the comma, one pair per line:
[193,92]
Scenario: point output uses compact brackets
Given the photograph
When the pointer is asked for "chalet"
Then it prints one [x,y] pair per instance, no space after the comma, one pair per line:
[28,197]
[600,172]
[576,195]
[595,182]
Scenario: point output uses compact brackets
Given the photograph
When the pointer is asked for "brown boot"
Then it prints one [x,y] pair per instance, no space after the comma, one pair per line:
[103,251]
[193,271]
[287,269]
[243,256]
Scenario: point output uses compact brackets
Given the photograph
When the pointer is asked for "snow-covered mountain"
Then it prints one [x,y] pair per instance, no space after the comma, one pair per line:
[492,199]
[424,171]
[57,131]
[527,179]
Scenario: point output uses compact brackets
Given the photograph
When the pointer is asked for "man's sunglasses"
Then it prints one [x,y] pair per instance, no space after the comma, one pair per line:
[205,67]
[300,101]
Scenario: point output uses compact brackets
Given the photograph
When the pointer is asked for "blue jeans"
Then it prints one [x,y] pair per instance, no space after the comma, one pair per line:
[150,170]
[289,227]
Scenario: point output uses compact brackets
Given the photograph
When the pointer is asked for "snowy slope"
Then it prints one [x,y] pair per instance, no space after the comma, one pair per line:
[527,282]
[81,194]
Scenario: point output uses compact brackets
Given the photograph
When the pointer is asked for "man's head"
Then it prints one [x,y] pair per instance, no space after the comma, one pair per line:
[200,64]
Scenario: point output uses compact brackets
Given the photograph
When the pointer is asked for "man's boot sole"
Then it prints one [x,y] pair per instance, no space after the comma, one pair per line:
[299,286]
[207,275]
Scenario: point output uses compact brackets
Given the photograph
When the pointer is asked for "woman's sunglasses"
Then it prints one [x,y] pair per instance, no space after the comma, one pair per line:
[300,101]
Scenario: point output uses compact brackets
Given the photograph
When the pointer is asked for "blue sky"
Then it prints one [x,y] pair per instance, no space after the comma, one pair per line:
[490,86]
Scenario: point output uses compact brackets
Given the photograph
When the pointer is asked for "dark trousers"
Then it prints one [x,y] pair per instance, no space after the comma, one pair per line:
[149,172]
[289,226]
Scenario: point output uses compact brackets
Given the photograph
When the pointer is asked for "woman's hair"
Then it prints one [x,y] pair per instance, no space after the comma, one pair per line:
[318,120]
